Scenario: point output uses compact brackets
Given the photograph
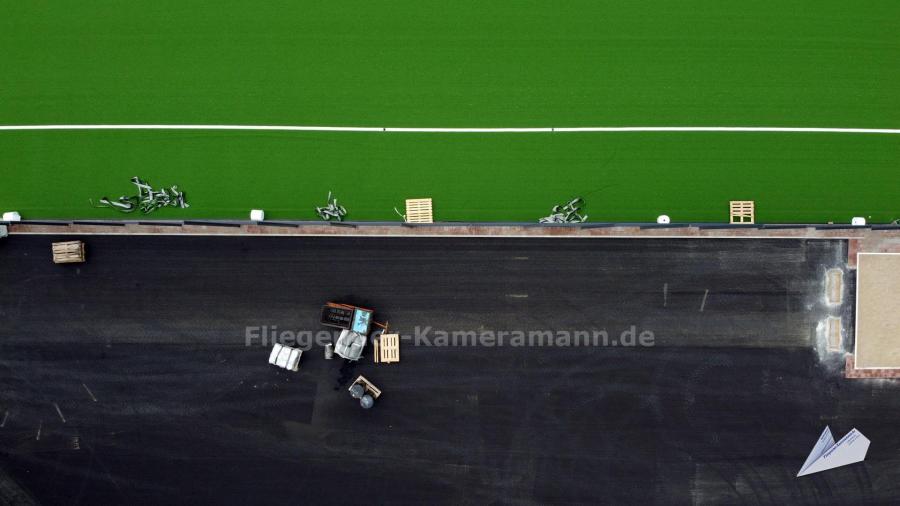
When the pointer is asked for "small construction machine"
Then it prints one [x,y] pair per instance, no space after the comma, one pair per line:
[355,322]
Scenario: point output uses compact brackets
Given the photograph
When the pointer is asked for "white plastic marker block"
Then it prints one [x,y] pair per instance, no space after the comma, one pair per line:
[851,449]
[858,221]
[12,216]
[293,362]
[274,355]
[663,219]
[282,360]
[257,215]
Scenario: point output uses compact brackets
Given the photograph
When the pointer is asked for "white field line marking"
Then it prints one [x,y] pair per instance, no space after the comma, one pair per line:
[703,304]
[315,128]
[59,412]
[88,390]
[5,416]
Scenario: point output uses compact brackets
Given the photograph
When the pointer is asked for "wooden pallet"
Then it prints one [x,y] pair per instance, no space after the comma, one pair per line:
[68,252]
[419,211]
[371,389]
[388,351]
[743,211]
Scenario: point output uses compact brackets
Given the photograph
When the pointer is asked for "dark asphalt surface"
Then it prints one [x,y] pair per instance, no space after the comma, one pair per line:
[143,351]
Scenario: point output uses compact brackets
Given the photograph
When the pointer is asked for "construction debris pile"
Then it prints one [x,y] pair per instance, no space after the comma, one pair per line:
[567,213]
[147,199]
[332,210]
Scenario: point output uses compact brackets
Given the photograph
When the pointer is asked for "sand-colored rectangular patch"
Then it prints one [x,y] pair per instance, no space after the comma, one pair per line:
[878,311]
[833,333]
[834,286]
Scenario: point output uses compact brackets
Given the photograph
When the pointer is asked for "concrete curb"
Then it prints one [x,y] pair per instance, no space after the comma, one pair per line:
[636,230]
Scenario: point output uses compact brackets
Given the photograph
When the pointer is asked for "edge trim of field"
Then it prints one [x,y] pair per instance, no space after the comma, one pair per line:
[316,128]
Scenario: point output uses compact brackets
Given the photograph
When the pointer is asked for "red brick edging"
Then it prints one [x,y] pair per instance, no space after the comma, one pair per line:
[850,371]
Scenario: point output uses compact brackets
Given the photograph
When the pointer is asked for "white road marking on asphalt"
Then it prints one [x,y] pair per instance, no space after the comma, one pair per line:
[520,258]
[5,416]
[703,304]
[89,392]
[40,426]
[517,295]
[665,294]
[316,128]
[59,412]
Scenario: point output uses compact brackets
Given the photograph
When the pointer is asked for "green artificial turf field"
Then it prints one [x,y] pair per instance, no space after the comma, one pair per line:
[407,63]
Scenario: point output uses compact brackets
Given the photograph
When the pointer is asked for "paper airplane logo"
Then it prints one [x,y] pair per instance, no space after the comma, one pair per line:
[827,454]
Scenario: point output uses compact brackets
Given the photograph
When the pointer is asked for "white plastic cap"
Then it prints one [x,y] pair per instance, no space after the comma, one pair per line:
[858,221]
[663,219]
[257,215]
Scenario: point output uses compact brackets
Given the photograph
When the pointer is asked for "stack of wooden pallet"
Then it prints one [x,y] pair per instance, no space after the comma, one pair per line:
[419,211]
[68,252]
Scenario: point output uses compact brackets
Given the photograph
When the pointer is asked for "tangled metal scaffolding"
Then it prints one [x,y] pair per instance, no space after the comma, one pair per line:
[147,199]
[566,213]
[332,210]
